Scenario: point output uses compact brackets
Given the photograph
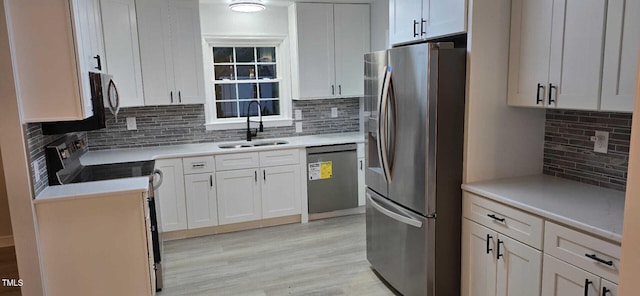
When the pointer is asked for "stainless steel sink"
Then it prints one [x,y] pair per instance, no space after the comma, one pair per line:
[254,144]
[230,146]
[270,143]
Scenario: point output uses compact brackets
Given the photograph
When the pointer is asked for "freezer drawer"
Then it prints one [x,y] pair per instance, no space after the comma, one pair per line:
[397,245]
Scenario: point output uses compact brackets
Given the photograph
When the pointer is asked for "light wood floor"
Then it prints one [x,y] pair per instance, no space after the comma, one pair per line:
[8,270]
[324,257]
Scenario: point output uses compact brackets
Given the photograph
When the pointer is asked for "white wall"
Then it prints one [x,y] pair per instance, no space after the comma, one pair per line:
[500,141]
[379,24]
[218,19]
[630,269]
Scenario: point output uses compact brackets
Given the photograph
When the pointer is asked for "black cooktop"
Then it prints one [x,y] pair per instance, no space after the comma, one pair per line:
[114,171]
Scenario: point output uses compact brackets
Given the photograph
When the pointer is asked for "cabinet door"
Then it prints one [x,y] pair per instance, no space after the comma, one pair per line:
[529,52]
[519,268]
[173,212]
[238,196]
[89,31]
[352,41]
[608,288]
[620,56]
[362,189]
[155,51]
[281,191]
[188,68]
[202,209]
[444,17]
[122,50]
[576,58]
[478,260]
[562,279]
[404,20]
[316,56]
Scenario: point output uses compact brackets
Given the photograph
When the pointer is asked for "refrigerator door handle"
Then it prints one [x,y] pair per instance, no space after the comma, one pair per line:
[383,125]
[393,215]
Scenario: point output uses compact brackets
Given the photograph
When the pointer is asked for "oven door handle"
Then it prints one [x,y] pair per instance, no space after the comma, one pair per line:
[156,185]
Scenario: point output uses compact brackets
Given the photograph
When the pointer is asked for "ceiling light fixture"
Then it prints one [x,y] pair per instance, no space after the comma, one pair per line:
[246,5]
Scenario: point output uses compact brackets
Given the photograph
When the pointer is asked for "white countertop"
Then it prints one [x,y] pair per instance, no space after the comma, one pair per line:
[188,150]
[89,189]
[593,209]
[92,189]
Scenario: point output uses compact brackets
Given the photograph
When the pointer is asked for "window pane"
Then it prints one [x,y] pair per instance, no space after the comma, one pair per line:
[225,92]
[269,90]
[267,71]
[253,110]
[223,55]
[226,109]
[245,55]
[246,72]
[271,107]
[266,54]
[247,91]
[223,72]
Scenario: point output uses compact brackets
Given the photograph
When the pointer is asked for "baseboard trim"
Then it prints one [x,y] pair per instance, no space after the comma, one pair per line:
[6,241]
[189,233]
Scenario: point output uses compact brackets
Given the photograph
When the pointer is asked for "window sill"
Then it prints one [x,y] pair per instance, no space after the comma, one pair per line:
[242,124]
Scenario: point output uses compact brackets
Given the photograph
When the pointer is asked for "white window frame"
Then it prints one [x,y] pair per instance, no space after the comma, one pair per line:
[281,43]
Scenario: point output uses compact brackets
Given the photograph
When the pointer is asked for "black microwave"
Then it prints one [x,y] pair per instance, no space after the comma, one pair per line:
[100,83]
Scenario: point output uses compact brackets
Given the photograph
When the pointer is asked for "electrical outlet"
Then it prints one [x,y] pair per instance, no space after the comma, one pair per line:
[36,170]
[131,123]
[334,112]
[298,114]
[298,127]
[601,142]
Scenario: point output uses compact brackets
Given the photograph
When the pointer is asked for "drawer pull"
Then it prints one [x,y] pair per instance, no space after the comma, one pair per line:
[494,217]
[595,257]
[489,249]
[197,165]
[499,255]
[587,282]
[605,291]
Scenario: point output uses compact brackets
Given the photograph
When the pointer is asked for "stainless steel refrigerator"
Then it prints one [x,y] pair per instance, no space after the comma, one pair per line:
[414,104]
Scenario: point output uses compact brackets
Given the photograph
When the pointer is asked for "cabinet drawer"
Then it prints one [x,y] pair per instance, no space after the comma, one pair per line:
[201,164]
[279,157]
[237,161]
[576,248]
[517,224]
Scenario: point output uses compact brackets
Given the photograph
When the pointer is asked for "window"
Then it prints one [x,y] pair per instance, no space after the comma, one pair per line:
[242,72]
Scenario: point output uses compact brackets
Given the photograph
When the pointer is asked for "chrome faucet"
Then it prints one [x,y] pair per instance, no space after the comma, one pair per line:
[254,133]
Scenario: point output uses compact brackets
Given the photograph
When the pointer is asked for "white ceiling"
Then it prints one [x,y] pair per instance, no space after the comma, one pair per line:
[288,2]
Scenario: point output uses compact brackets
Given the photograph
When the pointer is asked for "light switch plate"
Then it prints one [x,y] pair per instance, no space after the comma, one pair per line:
[298,127]
[334,112]
[298,114]
[131,123]
[601,143]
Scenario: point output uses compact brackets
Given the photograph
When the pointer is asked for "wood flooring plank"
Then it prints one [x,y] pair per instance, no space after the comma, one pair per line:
[323,257]
[8,270]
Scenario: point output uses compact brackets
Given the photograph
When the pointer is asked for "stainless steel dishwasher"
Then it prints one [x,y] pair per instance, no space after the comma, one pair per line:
[332,178]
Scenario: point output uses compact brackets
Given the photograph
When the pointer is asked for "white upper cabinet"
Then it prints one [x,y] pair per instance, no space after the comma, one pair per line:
[620,56]
[71,32]
[412,20]
[171,51]
[328,45]
[573,54]
[122,50]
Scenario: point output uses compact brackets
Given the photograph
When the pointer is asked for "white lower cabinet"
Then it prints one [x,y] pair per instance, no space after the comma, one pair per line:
[494,264]
[238,196]
[560,279]
[202,209]
[171,195]
[281,191]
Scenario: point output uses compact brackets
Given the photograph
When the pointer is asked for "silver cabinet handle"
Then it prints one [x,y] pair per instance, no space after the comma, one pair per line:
[394,216]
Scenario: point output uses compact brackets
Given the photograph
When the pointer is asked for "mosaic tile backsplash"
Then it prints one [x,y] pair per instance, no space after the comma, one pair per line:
[170,125]
[568,150]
